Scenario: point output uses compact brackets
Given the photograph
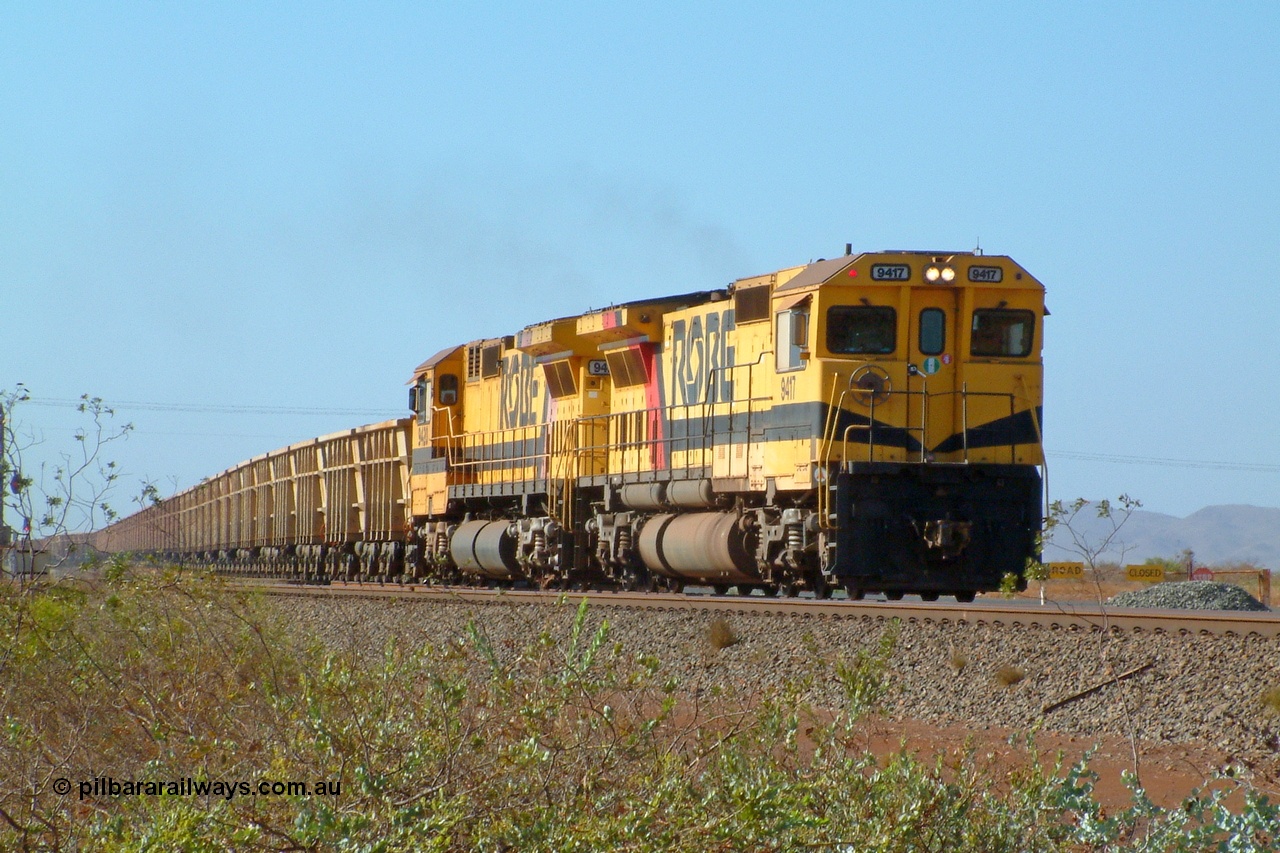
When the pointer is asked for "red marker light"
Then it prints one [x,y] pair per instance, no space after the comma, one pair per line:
[853,273]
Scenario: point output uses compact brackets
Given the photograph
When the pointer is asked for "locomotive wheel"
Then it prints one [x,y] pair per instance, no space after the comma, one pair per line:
[854,592]
[928,596]
[720,588]
[821,589]
[966,596]
[894,595]
[632,580]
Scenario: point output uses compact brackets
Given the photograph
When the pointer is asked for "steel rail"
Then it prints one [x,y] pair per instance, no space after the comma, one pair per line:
[1015,614]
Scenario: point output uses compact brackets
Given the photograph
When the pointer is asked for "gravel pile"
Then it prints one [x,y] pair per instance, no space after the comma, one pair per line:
[1190,595]
[1191,688]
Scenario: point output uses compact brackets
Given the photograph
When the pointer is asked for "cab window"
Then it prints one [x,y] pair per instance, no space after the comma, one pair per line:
[933,331]
[448,389]
[422,401]
[1002,333]
[862,330]
[792,340]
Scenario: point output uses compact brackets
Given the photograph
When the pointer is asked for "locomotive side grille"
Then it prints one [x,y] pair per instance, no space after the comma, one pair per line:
[751,304]
[491,361]
[560,379]
[626,366]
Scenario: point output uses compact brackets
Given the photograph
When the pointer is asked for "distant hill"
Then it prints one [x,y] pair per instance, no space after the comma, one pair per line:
[1217,534]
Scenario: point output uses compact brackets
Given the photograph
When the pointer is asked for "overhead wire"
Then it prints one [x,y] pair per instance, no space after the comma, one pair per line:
[211,408]
[1258,467]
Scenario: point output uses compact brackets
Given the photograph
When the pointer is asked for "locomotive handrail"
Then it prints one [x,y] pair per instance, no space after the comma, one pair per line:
[833,417]
[1035,422]
[708,406]
[618,435]
[845,439]
[480,453]
[630,444]
[828,438]
[448,445]
[829,435]
[964,393]
[563,449]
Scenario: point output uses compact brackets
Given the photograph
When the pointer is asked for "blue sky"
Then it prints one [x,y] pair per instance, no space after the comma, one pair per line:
[220,206]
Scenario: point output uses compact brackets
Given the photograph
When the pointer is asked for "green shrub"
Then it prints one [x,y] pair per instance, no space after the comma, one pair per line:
[566,743]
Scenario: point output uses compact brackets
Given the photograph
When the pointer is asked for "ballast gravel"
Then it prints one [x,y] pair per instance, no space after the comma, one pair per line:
[1190,595]
[1208,690]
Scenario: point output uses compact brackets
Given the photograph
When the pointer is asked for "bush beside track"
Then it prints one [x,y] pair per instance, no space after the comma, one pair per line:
[464,727]
[1200,688]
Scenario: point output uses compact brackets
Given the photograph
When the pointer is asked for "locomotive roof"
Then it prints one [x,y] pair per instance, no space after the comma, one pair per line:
[696,297]
[436,359]
[816,273]
[823,270]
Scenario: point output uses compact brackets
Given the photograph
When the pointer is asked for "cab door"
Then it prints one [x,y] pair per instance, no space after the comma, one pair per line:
[933,347]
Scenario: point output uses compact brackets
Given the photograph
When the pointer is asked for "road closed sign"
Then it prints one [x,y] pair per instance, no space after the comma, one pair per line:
[1066,571]
[1147,572]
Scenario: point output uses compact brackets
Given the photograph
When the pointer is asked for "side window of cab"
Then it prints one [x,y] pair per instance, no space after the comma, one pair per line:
[1002,333]
[791,339]
[420,400]
[448,389]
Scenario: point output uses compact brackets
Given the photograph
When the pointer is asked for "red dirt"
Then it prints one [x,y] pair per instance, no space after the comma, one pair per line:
[1089,591]
[1168,772]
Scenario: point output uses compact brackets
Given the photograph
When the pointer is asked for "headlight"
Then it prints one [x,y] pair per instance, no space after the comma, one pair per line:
[934,274]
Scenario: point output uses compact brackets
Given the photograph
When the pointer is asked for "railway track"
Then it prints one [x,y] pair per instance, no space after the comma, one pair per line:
[1015,614]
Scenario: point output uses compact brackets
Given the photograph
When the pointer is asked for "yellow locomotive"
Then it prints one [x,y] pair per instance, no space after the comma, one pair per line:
[870,422]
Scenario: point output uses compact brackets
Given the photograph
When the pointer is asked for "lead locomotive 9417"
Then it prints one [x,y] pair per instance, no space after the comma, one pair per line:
[871,422]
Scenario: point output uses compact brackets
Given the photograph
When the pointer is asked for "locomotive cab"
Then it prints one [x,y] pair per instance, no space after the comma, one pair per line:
[931,366]
[437,421]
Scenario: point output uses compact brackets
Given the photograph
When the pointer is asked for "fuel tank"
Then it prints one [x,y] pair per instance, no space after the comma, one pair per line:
[711,547]
[485,548]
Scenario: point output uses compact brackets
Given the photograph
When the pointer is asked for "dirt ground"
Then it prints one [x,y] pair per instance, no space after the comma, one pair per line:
[1089,591]
[1169,772]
